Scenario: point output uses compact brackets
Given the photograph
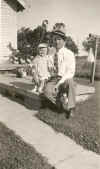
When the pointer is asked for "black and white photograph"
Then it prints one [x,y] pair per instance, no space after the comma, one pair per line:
[49,84]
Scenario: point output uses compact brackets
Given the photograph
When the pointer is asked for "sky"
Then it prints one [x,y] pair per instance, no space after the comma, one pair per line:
[80,16]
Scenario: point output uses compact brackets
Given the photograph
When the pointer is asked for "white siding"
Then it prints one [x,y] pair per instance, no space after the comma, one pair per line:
[0,31]
[8,26]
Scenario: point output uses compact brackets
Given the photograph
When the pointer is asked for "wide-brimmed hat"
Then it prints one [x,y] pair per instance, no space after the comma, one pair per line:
[42,45]
[60,30]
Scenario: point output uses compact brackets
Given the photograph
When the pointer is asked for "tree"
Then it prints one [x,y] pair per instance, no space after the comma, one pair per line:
[90,42]
[39,34]
[70,44]
[29,39]
[25,42]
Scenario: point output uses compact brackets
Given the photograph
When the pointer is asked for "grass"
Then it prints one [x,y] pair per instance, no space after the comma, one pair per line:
[84,127]
[83,68]
[16,154]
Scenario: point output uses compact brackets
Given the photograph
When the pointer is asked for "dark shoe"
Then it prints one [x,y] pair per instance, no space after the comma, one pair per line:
[70,113]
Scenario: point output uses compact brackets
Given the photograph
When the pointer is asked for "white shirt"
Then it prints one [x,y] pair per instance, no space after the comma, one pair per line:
[66,64]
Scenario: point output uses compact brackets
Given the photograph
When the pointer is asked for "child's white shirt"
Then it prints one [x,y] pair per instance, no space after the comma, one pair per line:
[40,67]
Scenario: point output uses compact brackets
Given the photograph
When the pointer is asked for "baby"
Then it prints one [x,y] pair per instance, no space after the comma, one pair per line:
[41,67]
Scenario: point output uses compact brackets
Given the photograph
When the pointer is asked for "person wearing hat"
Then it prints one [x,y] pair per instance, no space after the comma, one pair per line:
[62,88]
[40,68]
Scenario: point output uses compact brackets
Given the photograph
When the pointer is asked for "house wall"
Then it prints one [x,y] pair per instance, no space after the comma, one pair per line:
[8,29]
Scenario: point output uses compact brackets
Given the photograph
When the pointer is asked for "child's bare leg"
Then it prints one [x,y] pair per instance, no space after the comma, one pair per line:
[35,87]
[42,83]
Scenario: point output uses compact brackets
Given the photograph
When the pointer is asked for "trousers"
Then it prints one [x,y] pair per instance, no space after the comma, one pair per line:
[66,89]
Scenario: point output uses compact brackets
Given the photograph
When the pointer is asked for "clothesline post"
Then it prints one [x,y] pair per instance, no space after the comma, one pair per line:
[94,63]
[95,57]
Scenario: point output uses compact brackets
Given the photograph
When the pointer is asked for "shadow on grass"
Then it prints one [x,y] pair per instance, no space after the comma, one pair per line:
[16,154]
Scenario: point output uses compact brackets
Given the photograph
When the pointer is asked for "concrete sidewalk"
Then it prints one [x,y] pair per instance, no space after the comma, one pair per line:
[61,151]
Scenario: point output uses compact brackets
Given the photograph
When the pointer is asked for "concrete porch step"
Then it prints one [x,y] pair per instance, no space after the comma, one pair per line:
[21,88]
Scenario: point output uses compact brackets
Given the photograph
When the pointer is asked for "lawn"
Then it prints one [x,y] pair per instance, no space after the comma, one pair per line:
[16,154]
[83,68]
[84,127]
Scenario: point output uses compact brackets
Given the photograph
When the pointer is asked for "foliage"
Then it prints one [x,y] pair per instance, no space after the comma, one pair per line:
[38,36]
[14,57]
[28,40]
[60,26]
[17,57]
[70,44]
[90,42]
[25,42]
